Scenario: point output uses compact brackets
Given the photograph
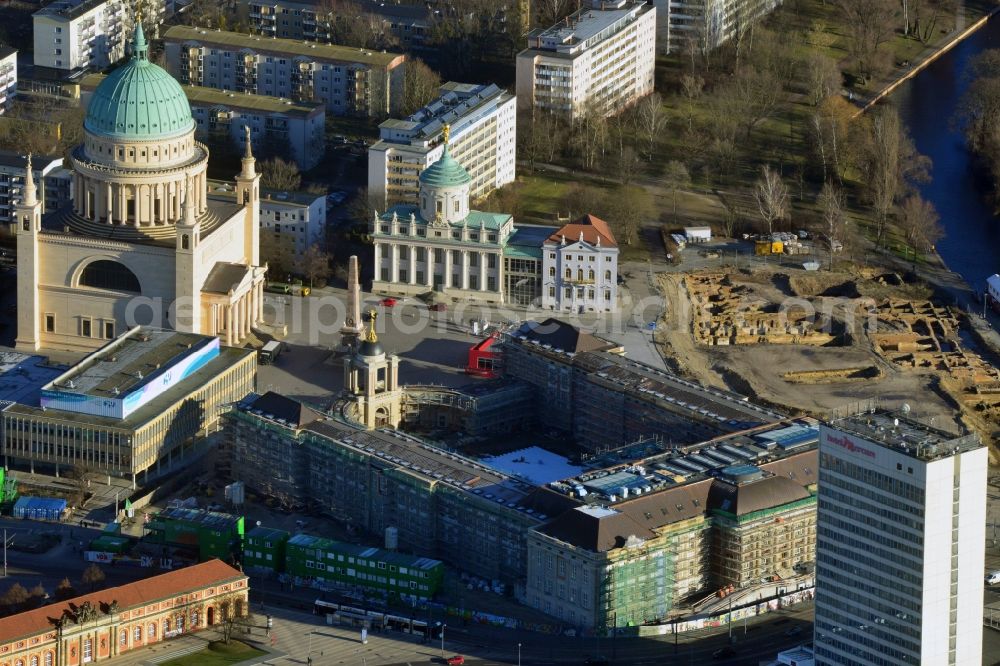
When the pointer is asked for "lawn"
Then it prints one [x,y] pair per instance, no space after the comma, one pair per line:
[218,654]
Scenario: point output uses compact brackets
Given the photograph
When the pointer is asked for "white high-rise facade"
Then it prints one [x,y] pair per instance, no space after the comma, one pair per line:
[599,59]
[900,545]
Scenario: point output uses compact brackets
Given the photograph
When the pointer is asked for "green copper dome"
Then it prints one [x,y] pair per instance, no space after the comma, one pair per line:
[446,172]
[139,100]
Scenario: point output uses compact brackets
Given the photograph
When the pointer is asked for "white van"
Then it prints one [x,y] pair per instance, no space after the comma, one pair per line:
[993,577]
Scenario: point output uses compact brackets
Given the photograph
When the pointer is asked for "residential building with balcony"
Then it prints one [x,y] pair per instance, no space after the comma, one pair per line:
[708,23]
[53,180]
[305,19]
[580,267]
[600,59]
[75,35]
[8,78]
[350,82]
[296,127]
[483,122]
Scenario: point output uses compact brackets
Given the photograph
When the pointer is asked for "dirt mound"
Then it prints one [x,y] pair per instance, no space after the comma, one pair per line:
[822,284]
[830,376]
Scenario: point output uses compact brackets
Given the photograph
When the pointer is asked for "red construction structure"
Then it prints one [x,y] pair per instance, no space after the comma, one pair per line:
[484,361]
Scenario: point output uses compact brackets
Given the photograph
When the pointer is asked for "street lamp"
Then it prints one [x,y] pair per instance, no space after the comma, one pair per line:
[518,654]
[442,639]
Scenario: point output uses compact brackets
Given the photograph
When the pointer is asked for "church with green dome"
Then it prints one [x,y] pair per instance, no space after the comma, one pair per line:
[144,242]
[441,246]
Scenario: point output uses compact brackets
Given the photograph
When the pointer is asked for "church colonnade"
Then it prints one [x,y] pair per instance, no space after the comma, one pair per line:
[138,204]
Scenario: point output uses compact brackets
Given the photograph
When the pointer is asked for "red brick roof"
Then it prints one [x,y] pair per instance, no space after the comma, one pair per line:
[591,227]
[139,593]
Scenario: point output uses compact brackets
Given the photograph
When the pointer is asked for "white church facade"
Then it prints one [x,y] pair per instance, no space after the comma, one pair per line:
[144,242]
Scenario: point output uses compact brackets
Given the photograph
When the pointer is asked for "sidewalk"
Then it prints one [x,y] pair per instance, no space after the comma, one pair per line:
[190,644]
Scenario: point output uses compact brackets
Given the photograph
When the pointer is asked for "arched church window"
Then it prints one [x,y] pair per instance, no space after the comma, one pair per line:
[107,274]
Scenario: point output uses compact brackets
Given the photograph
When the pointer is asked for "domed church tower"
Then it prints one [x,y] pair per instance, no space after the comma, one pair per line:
[143,242]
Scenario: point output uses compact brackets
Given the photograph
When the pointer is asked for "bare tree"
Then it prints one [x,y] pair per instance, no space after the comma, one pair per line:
[92,576]
[315,265]
[279,174]
[822,77]
[675,179]
[652,119]
[752,96]
[920,224]
[772,197]
[233,613]
[627,164]
[831,203]
[892,165]
[630,208]
[64,590]
[36,596]
[869,25]
[421,85]
[590,136]
[552,11]
[15,597]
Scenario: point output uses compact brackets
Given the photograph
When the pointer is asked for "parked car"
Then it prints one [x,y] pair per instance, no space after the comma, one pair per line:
[993,577]
[438,307]
[455,660]
[389,302]
[794,631]
[724,653]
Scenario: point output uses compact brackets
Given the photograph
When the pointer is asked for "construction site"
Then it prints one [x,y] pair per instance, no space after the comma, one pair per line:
[807,341]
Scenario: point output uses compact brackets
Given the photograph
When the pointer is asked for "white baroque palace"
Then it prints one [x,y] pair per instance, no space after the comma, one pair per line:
[142,243]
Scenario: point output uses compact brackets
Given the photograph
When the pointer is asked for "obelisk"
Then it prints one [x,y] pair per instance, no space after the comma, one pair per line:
[353,326]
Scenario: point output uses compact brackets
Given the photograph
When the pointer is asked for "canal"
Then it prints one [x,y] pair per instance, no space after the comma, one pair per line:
[927,103]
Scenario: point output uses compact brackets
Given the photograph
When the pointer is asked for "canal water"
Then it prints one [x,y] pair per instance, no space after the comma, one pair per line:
[927,103]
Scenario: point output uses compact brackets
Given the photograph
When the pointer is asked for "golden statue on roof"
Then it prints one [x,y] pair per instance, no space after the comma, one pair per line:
[370,334]
[446,132]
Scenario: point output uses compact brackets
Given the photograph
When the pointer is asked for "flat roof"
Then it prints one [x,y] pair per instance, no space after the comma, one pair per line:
[527,240]
[10,158]
[410,561]
[228,356]
[127,362]
[22,376]
[224,188]
[69,9]
[202,96]
[899,432]
[212,519]
[456,101]
[587,23]
[318,51]
[7,51]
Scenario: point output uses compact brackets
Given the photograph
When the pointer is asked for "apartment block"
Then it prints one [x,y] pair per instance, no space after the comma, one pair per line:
[600,59]
[311,20]
[900,551]
[50,177]
[350,82]
[708,23]
[8,78]
[297,127]
[76,35]
[482,119]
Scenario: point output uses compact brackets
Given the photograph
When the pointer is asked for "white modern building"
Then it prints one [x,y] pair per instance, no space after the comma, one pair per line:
[600,58]
[289,222]
[298,126]
[709,23]
[580,267]
[483,121]
[900,543]
[349,81]
[8,78]
[74,35]
[441,245]
[52,181]
[292,219]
